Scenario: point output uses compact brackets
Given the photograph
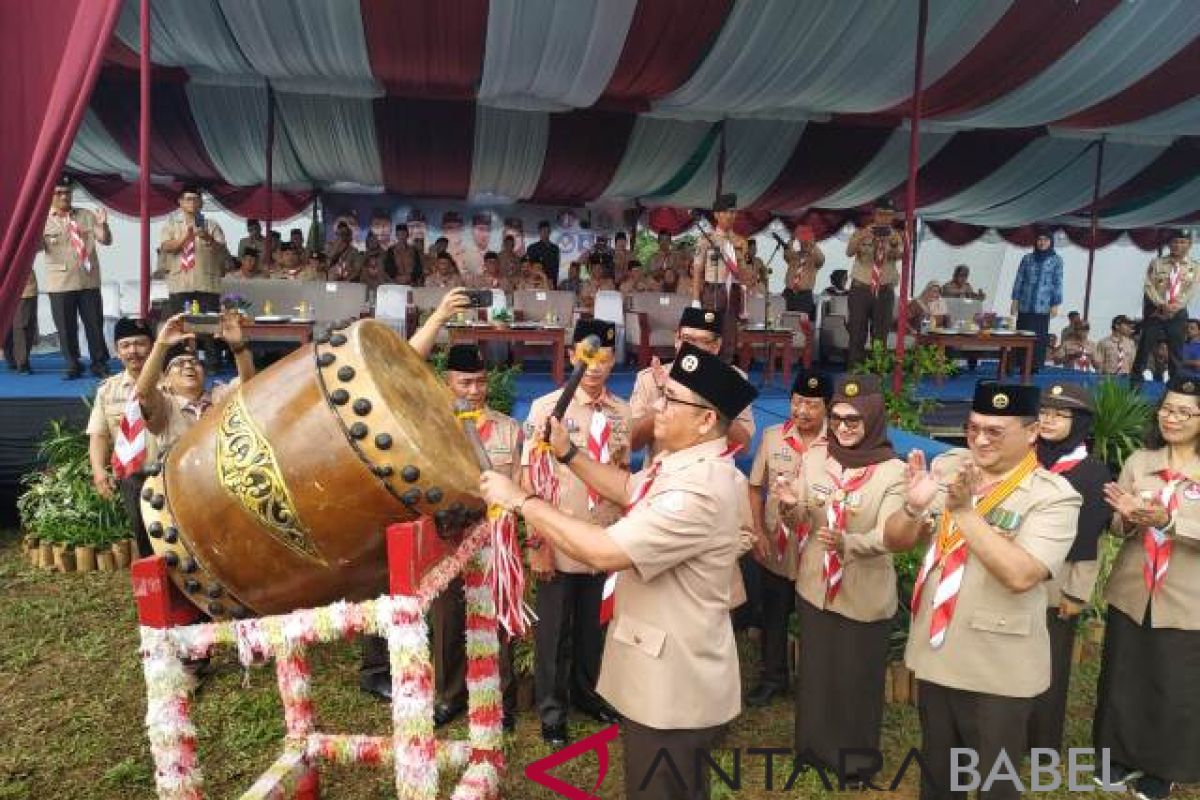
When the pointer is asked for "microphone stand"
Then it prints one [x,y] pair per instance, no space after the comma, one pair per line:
[778,246]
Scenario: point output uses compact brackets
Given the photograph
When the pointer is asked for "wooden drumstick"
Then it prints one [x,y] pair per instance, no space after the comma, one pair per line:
[463,410]
[586,350]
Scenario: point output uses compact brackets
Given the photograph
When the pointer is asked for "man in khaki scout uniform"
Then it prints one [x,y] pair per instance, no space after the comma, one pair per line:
[999,526]
[69,241]
[194,254]
[1171,282]
[1114,353]
[804,259]
[876,250]
[700,327]
[670,662]
[134,338]
[24,333]
[403,262]
[714,284]
[568,600]
[780,455]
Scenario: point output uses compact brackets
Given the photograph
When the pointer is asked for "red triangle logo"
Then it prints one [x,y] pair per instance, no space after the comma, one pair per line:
[539,771]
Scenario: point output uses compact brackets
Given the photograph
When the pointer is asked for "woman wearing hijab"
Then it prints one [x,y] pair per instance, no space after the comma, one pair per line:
[836,507]
[1148,700]
[1037,292]
[928,305]
[1064,427]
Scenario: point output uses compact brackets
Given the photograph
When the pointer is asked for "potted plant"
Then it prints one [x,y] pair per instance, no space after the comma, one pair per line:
[905,408]
[502,318]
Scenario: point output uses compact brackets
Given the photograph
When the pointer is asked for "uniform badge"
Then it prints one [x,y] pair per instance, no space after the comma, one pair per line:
[1056,390]
[854,499]
[1000,401]
[1188,386]
[1191,491]
[813,383]
[839,495]
[851,389]
[1004,520]
[689,363]
[710,317]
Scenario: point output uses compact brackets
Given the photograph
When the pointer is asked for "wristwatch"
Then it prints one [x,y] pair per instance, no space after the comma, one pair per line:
[571,453]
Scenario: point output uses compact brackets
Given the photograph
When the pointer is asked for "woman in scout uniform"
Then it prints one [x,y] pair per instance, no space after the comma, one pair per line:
[845,579]
[1064,426]
[1148,702]
[779,456]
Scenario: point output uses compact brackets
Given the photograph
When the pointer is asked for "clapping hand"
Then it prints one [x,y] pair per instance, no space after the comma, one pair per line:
[658,372]
[832,539]
[960,492]
[923,485]
[1135,511]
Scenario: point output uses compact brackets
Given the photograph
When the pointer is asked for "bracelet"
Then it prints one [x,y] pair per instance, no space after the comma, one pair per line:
[519,508]
[241,348]
[913,515]
[574,451]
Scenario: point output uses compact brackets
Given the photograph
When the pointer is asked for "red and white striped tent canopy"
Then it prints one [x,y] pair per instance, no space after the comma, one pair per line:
[627,100]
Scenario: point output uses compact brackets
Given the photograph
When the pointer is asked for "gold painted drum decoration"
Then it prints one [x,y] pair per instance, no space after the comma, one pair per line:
[278,498]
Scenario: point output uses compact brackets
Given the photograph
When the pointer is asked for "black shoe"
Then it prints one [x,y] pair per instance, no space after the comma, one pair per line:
[510,722]
[1149,787]
[555,736]
[377,684]
[761,695]
[445,713]
[1119,777]
[24,370]
[99,369]
[600,713]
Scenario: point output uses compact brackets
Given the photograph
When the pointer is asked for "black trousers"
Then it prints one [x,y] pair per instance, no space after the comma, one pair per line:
[568,644]
[868,309]
[23,335]
[131,498]
[750,613]
[68,308]
[1039,324]
[1173,331]
[648,771]
[1050,708]
[986,723]
[732,304]
[778,599]
[801,301]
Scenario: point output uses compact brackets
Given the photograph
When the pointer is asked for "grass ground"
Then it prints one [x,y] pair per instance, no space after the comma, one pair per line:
[71,708]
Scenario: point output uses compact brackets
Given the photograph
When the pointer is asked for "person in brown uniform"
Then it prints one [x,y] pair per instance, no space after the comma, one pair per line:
[845,580]
[804,259]
[69,242]
[402,260]
[1064,427]
[1170,285]
[1000,526]
[134,338]
[780,454]
[1114,353]
[568,639]
[876,250]
[719,263]
[670,661]
[24,332]
[1148,700]
[193,253]
[344,260]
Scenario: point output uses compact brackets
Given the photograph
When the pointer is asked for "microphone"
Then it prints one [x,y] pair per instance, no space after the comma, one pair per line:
[779,239]
[586,350]
[462,409]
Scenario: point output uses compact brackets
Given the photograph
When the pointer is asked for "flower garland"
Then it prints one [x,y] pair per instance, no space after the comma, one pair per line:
[412,697]
[168,721]
[484,702]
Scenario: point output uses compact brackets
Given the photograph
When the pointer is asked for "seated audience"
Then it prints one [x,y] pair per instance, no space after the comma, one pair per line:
[663,258]
[1189,356]
[248,265]
[445,272]
[296,237]
[1077,351]
[571,283]
[510,260]
[622,258]
[959,287]
[1114,353]
[287,265]
[753,271]
[402,261]
[314,268]
[492,275]
[927,307]
[837,284]
[1159,368]
[1053,350]
[343,259]
[372,274]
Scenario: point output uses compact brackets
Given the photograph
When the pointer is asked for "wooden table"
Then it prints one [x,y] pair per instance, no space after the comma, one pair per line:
[986,340]
[555,337]
[278,331]
[772,338]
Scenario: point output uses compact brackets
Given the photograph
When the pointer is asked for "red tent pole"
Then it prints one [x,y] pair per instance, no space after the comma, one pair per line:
[270,157]
[910,195]
[144,155]
[1087,292]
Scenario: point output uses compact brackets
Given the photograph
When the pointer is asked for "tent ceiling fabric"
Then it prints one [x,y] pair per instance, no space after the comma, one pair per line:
[627,100]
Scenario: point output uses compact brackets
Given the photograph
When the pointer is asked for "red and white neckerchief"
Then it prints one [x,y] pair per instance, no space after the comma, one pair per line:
[599,435]
[485,427]
[187,259]
[129,450]
[949,549]
[1175,282]
[803,528]
[608,597]
[1120,357]
[837,510]
[1070,461]
[197,407]
[1156,544]
[878,255]
[75,236]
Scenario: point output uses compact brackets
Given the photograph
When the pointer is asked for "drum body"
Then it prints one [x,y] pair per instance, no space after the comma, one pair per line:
[278,498]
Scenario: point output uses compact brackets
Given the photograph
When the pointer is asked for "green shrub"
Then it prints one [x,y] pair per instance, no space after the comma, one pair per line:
[905,408]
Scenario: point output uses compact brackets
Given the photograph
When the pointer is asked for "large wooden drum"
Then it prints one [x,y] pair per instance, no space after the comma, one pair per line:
[278,498]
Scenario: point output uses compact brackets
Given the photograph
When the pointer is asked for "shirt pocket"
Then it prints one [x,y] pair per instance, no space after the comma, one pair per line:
[641,635]
[1001,622]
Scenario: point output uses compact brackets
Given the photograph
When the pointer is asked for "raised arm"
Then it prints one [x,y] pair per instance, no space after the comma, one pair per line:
[424,339]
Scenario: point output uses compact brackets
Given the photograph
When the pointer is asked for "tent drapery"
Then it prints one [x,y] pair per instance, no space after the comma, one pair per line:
[48,79]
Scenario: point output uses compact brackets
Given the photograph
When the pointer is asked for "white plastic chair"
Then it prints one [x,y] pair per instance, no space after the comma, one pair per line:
[391,306]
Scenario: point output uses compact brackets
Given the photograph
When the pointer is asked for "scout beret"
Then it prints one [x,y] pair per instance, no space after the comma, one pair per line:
[713,379]
[416,216]
[812,384]
[130,327]
[885,203]
[1006,399]
[176,350]
[726,202]
[705,319]
[1068,395]
[451,218]
[606,332]
[464,358]
[851,386]
[1184,385]
[1180,233]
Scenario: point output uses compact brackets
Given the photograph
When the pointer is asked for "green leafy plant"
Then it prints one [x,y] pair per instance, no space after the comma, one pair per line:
[908,565]
[1119,423]
[905,408]
[60,504]
[502,382]
[502,316]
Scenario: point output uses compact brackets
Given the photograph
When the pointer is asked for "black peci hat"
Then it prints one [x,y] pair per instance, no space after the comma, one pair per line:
[1006,399]
[131,327]
[464,358]
[705,319]
[812,384]
[713,379]
[606,332]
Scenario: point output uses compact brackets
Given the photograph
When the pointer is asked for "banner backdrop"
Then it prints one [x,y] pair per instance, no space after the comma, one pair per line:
[471,230]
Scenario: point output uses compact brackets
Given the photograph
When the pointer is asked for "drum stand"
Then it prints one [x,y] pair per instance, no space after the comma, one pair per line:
[421,565]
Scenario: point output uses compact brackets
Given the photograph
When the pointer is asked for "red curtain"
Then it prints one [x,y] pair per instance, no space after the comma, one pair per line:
[245,201]
[50,55]
[425,146]
[583,151]
[666,40]
[1174,82]
[123,196]
[955,234]
[1148,239]
[827,155]
[1023,236]
[1082,237]
[430,50]
[251,201]
[671,221]
[966,159]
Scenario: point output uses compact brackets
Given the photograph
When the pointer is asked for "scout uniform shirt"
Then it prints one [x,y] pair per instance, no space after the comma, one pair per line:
[573,493]
[645,395]
[1158,280]
[670,660]
[860,271]
[111,397]
[804,264]
[205,276]
[31,287]
[778,456]
[1177,599]
[65,272]
[997,641]
[405,260]
[713,264]
[868,589]
[1114,354]
[169,416]
[502,439]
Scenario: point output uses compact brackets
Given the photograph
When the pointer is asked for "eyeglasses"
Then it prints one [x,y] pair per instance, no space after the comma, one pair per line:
[184,361]
[849,421]
[992,432]
[1181,414]
[667,399]
[1054,413]
[702,342]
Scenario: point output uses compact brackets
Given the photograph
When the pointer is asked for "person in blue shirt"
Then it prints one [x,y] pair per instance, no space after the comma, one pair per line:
[1037,291]
[1189,357]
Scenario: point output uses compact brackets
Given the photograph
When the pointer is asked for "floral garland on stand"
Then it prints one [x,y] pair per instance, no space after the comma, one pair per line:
[485,712]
